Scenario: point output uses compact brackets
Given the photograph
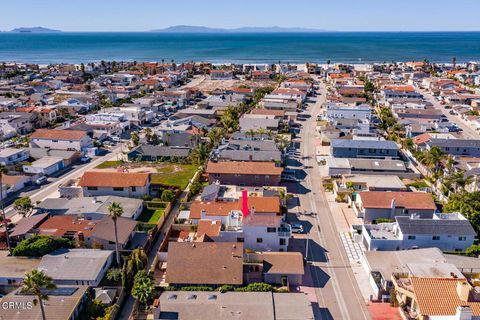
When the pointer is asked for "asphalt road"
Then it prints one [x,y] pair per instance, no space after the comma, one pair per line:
[468,131]
[335,286]
[51,188]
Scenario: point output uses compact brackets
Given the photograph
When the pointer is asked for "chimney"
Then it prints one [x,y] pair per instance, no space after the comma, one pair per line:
[463,313]
[463,290]
[393,204]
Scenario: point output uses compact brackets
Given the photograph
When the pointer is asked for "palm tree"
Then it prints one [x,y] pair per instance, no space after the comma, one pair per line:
[261,132]
[4,170]
[282,142]
[432,157]
[115,210]
[35,283]
[148,134]
[199,154]
[252,133]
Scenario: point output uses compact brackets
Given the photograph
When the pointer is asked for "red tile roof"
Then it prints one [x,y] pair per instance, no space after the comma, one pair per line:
[50,134]
[407,200]
[223,208]
[113,179]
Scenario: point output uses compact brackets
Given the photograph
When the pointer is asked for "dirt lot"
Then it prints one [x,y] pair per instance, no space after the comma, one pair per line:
[207,85]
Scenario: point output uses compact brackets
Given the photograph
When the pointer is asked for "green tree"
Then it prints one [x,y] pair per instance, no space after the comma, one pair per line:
[114,274]
[167,195]
[473,250]
[23,206]
[143,286]
[135,138]
[36,282]
[115,210]
[4,170]
[468,204]
[199,155]
[40,245]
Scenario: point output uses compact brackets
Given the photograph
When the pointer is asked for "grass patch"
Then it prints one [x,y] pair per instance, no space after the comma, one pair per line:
[151,216]
[109,164]
[177,175]
[418,184]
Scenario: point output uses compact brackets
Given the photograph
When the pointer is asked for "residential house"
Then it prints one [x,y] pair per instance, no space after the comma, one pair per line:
[16,123]
[340,111]
[364,182]
[108,183]
[244,150]
[246,173]
[156,153]
[456,147]
[400,92]
[45,166]
[13,269]
[11,156]
[380,149]
[277,268]
[61,140]
[204,263]
[448,232]
[64,302]
[94,208]
[249,122]
[373,205]
[229,305]
[460,300]
[76,266]
[221,75]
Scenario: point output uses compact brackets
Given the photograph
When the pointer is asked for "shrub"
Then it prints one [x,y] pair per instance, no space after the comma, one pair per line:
[167,195]
[195,288]
[256,287]
[38,246]
[226,288]
[473,250]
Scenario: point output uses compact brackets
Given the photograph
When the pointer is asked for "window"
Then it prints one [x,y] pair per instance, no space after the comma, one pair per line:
[436,238]
[411,237]
[282,241]
[271,229]
[462,238]
[259,240]
[92,188]
[111,242]
[54,140]
[240,239]
[134,189]
[117,189]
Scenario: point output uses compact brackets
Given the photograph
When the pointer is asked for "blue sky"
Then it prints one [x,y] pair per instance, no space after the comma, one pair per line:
[340,15]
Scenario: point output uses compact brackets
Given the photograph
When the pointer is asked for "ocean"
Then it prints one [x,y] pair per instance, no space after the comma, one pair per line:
[344,47]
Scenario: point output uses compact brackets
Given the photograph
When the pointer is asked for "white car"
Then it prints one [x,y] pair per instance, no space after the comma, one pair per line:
[41,180]
[296,228]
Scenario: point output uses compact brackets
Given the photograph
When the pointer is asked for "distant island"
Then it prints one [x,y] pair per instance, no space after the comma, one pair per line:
[34,30]
[202,29]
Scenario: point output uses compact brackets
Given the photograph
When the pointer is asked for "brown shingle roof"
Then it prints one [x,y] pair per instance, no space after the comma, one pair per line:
[105,230]
[51,134]
[244,168]
[59,225]
[113,179]
[439,297]
[223,208]
[283,262]
[407,200]
[205,263]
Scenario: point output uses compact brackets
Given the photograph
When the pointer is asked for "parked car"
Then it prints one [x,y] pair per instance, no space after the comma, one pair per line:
[296,228]
[41,180]
[85,159]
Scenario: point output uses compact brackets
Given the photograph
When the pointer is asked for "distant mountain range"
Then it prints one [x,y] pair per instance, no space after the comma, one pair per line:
[201,29]
[34,30]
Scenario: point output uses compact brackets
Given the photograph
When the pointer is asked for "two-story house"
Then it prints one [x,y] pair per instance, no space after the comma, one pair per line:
[372,205]
[72,140]
[378,149]
[448,232]
[244,173]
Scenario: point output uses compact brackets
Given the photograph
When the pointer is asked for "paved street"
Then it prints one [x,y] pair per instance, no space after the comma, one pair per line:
[51,189]
[468,131]
[336,290]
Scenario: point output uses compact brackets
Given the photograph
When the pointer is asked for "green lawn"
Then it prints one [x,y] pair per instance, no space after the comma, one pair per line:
[151,216]
[177,175]
[109,164]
